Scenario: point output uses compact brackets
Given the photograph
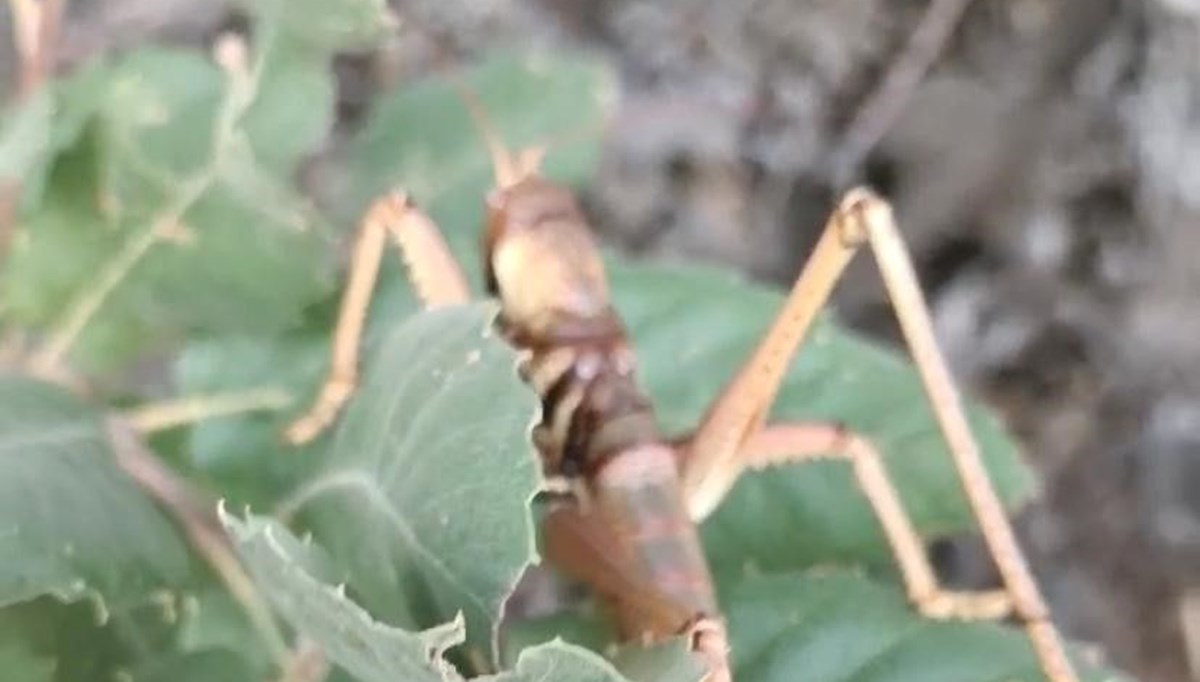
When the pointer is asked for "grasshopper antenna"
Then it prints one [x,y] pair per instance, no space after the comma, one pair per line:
[505,168]
[508,168]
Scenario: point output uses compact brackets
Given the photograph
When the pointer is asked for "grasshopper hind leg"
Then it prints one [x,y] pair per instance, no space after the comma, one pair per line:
[806,442]
[725,441]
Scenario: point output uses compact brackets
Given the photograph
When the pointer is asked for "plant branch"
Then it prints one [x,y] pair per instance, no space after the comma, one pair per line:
[10,194]
[239,95]
[196,515]
[883,106]
[306,663]
[35,33]
[81,311]
[1189,624]
[169,414]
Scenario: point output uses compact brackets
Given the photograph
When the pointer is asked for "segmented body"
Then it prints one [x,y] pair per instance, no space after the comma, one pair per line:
[598,427]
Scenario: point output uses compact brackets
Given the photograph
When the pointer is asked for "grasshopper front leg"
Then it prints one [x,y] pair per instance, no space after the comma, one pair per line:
[435,274]
[731,436]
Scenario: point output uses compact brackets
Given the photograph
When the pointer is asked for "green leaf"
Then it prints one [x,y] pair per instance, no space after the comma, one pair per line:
[86,644]
[585,629]
[163,215]
[421,137]
[292,112]
[71,523]
[70,104]
[294,109]
[564,662]
[670,661]
[797,627]
[40,128]
[25,135]
[214,665]
[327,25]
[693,328]
[213,621]
[245,455]
[432,467]
[21,665]
[374,652]
[371,651]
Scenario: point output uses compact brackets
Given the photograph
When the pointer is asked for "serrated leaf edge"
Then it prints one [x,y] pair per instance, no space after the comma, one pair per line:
[437,639]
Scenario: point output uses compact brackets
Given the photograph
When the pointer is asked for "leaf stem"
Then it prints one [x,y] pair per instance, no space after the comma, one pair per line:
[306,663]
[168,414]
[240,93]
[81,311]
[291,505]
[35,33]
[197,516]
[885,104]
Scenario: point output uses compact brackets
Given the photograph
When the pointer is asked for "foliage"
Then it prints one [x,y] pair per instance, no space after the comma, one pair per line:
[163,248]
[74,523]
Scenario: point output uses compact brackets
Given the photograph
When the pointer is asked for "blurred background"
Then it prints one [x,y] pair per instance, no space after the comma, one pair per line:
[1046,173]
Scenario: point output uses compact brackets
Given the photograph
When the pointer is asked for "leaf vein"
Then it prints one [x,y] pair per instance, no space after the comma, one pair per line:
[340,480]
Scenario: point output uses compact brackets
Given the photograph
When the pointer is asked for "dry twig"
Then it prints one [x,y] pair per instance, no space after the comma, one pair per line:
[168,414]
[881,109]
[196,515]
[307,662]
[35,33]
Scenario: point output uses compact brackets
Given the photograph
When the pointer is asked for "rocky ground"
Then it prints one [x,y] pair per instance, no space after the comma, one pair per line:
[1047,175]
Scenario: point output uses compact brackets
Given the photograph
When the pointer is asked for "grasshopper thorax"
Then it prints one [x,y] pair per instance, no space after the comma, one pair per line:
[540,259]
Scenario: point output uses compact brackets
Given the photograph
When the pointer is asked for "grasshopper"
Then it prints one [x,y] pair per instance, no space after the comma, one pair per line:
[626,525]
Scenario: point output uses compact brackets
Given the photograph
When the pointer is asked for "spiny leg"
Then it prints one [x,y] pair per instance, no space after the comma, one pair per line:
[435,275]
[713,461]
[802,442]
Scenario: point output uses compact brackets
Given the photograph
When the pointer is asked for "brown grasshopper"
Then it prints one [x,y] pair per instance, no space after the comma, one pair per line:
[628,528]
